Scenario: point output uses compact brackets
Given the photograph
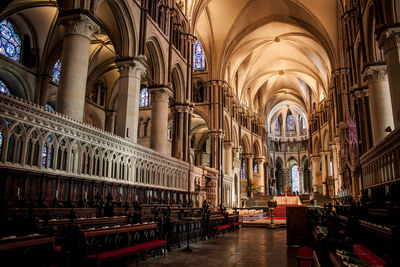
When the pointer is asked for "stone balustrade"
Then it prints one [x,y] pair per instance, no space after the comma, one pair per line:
[381,164]
[35,139]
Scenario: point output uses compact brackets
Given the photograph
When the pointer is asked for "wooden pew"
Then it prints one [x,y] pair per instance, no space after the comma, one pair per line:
[107,244]
[218,225]
[28,251]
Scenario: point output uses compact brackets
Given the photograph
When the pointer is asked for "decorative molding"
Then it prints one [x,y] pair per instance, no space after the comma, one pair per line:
[389,39]
[374,73]
[79,24]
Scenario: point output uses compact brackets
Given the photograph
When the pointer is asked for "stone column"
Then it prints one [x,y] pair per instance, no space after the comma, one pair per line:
[301,180]
[110,115]
[44,96]
[335,163]
[160,95]
[180,143]
[79,29]
[315,169]
[379,101]
[228,157]
[260,163]
[324,175]
[128,97]
[249,166]
[389,40]
[285,177]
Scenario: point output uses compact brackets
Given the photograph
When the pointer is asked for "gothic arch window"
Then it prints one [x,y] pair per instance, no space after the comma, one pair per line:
[255,167]
[144,98]
[304,124]
[295,179]
[243,170]
[277,125]
[199,59]
[290,123]
[10,42]
[3,88]
[56,72]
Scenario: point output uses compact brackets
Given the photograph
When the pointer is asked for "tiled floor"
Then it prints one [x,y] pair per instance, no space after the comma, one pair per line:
[250,247]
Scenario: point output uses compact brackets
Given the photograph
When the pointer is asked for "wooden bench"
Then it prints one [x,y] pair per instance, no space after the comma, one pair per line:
[305,257]
[28,251]
[88,222]
[218,225]
[107,244]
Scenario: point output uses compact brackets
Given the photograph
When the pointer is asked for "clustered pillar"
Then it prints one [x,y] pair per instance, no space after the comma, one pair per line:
[315,169]
[79,29]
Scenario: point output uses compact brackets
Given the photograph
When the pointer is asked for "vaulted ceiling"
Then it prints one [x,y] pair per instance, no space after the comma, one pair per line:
[272,53]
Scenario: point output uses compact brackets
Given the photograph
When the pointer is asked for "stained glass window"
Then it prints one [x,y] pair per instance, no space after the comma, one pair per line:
[3,88]
[44,156]
[277,125]
[144,98]
[50,108]
[243,170]
[255,167]
[1,141]
[57,71]
[304,124]
[199,60]
[295,179]
[47,153]
[10,42]
[290,123]
[330,168]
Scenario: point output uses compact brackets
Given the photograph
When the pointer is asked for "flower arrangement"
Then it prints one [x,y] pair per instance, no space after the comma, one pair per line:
[251,186]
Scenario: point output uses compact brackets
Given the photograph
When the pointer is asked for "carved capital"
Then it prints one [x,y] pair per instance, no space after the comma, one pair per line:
[259,160]
[389,39]
[79,24]
[132,66]
[160,93]
[374,73]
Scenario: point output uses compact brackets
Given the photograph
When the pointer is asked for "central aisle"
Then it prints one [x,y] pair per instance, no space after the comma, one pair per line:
[250,247]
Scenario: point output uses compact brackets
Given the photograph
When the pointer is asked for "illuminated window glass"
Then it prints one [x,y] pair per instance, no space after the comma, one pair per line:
[1,141]
[243,170]
[304,124]
[3,88]
[255,167]
[10,42]
[199,60]
[57,71]
[290,123]
[48,107]
[47,153]
[144,98]
[295,179]
[277,125]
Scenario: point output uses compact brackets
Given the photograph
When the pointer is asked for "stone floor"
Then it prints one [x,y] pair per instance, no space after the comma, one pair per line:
[247,247]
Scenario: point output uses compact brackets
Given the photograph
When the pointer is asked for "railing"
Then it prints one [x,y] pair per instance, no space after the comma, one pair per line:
[381,164]
[33,138]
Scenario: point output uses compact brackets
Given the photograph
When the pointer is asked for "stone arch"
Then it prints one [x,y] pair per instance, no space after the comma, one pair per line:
[245,143]
[16,83]
[156,56]
[178,82]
